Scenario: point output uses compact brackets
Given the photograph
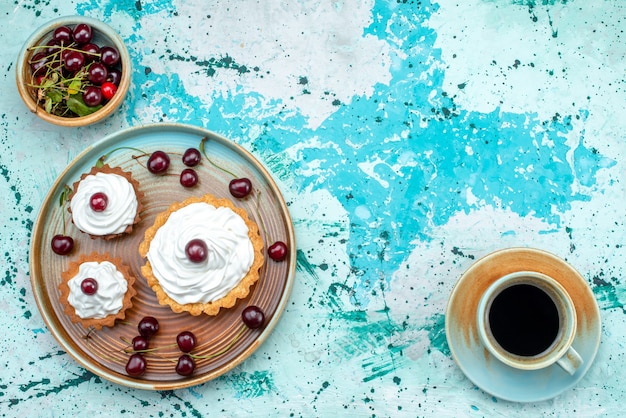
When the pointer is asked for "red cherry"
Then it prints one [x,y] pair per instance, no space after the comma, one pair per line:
[91,52]
[196,250]
[38,63]
[114,77]
[97,73]
[73,61]
[98,201]
[40,79]
[136,365]
[186,365]
[191,157]
[62,244]
[82,33]
[92,96]
[188,177]
[63,35]
[140,343]
[109,56]
[108,89]
[253,317]
[148,326]
[53,46]
[158,162]
[277,251]
[240,187]
[89,286]
[186,341]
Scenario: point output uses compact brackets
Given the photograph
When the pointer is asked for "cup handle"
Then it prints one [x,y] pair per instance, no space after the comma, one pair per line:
[570,361]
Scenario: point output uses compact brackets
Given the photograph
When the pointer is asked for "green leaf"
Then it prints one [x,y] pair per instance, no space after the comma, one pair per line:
[64,195]
[55,95]
[48,105]
[48,83]
[74,87]
[76,104]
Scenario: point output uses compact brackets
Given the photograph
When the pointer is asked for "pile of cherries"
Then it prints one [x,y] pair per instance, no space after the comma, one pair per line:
[252,317]
[74,75]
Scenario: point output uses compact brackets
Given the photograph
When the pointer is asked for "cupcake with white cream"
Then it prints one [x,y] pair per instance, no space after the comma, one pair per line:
[202,255]
[106,202]
[96,290]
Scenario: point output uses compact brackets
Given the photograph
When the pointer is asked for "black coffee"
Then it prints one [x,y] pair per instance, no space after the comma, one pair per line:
[524,320]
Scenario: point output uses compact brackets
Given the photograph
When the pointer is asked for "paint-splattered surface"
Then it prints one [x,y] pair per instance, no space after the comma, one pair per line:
[410,138]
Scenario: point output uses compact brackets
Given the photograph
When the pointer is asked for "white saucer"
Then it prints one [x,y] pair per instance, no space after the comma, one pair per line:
[474,360]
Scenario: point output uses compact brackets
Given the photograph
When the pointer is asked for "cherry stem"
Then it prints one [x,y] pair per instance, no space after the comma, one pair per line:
[225,349]
[60,85]
[202,150]
[147,350]
[89,332]
[101,160]
[59,82]
[61,48]
[109,358]
[258,211]
[219,353]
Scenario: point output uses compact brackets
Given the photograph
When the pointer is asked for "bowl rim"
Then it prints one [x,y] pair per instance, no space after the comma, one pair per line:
[43,32]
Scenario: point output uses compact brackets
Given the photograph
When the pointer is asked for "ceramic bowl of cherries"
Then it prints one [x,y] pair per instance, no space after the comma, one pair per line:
[73,71]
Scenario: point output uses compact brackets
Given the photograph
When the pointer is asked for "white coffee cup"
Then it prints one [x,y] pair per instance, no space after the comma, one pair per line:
[527,320]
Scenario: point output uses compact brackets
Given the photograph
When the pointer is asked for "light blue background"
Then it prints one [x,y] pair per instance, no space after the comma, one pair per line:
[409,138]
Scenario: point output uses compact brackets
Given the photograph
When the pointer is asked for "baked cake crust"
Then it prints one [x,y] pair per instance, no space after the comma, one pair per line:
[72,271]
[240,291]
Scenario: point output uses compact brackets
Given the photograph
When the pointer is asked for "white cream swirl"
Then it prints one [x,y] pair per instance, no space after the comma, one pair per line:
[230,253]
[109,297]
[121,207]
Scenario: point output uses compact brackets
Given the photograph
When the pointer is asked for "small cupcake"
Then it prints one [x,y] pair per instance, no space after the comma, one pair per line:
[96,290]
[106,202]
[202,255]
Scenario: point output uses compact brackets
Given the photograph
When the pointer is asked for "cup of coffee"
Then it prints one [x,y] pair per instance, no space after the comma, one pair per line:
[528,321]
